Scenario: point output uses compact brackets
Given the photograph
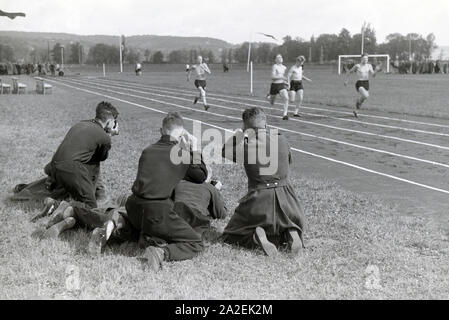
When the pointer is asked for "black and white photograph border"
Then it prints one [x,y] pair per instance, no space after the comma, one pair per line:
[224,150]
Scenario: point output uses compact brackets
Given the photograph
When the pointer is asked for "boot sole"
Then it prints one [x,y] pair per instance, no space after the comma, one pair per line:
[296,241]
[152,259]
[96,244]
[54,231]
[267,247]
[58,215]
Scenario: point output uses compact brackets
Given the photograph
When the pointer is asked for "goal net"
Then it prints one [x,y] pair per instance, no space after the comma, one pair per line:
[347,61]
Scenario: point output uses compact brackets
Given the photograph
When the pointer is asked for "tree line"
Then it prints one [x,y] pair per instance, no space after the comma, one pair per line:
[327,47]
[324,48]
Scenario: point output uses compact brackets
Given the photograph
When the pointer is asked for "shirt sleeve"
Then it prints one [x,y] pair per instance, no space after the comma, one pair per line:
[230,148]
[102,152]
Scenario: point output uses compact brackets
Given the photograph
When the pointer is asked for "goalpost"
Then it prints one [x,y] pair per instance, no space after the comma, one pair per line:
[358,56]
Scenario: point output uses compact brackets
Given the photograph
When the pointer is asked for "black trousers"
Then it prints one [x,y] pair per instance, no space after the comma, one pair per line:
[158,220]
[78,179]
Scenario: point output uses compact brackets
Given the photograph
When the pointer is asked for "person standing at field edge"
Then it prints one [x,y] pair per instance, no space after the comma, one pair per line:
[364,70]
[200,69]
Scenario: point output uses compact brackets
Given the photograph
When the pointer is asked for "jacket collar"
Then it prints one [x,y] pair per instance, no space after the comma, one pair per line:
[97,122]
[167,140]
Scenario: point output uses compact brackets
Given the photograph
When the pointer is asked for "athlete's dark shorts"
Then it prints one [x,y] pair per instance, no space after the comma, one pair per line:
[200,83]
[296,85]
[362,83]
[276,88]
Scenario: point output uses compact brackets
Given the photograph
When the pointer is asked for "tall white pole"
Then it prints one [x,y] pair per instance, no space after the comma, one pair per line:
[410,47]
[363,36]
[251,77]
[120,46]
[339,64]
[62,57]
[104,71]
[249,57]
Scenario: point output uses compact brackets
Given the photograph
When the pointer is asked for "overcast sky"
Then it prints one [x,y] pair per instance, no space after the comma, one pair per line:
[230,20]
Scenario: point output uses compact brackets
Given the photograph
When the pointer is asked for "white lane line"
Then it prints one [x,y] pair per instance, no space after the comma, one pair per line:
[293,119]
[295,149]
[86,83]
[311,108]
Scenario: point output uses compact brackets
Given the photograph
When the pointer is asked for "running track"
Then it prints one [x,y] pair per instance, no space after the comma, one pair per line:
[402,160]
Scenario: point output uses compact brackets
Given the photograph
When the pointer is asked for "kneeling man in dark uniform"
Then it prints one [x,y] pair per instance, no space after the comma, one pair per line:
[150,208]
[270,214]
[76,164]
[74,170]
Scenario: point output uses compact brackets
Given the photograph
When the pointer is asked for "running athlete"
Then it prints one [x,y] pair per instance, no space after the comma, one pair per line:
[201,69]
[363,69]
[294,77]
[138,69]
[279,84]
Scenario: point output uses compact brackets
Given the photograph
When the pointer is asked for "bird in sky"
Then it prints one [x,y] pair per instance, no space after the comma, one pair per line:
[268,35]
[11,15]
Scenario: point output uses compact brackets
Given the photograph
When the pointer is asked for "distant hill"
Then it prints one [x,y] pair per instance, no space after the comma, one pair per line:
[24,41]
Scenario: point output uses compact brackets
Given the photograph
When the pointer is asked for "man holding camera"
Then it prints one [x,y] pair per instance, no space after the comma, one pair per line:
[76,164]
[150,209]
[270,215]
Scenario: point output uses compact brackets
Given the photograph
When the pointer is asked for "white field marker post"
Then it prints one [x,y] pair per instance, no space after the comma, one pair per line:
[251,77]
[62,57]
[120,48]
[339,65]
[363,38]
[249,57]
[104,71]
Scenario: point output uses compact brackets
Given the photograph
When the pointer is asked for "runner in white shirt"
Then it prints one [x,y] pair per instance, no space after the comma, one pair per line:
[138,69]
[294,78]
[200,69]
[279,84]
[364,69]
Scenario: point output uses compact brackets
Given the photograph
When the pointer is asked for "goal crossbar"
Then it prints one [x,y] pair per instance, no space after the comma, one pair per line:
[358,56]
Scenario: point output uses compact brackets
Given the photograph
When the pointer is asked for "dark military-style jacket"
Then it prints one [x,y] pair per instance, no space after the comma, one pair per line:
[158,175]
[86,142]
[271,202]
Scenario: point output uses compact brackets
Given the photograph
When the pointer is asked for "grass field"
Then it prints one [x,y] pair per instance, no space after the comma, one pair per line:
[358,245]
